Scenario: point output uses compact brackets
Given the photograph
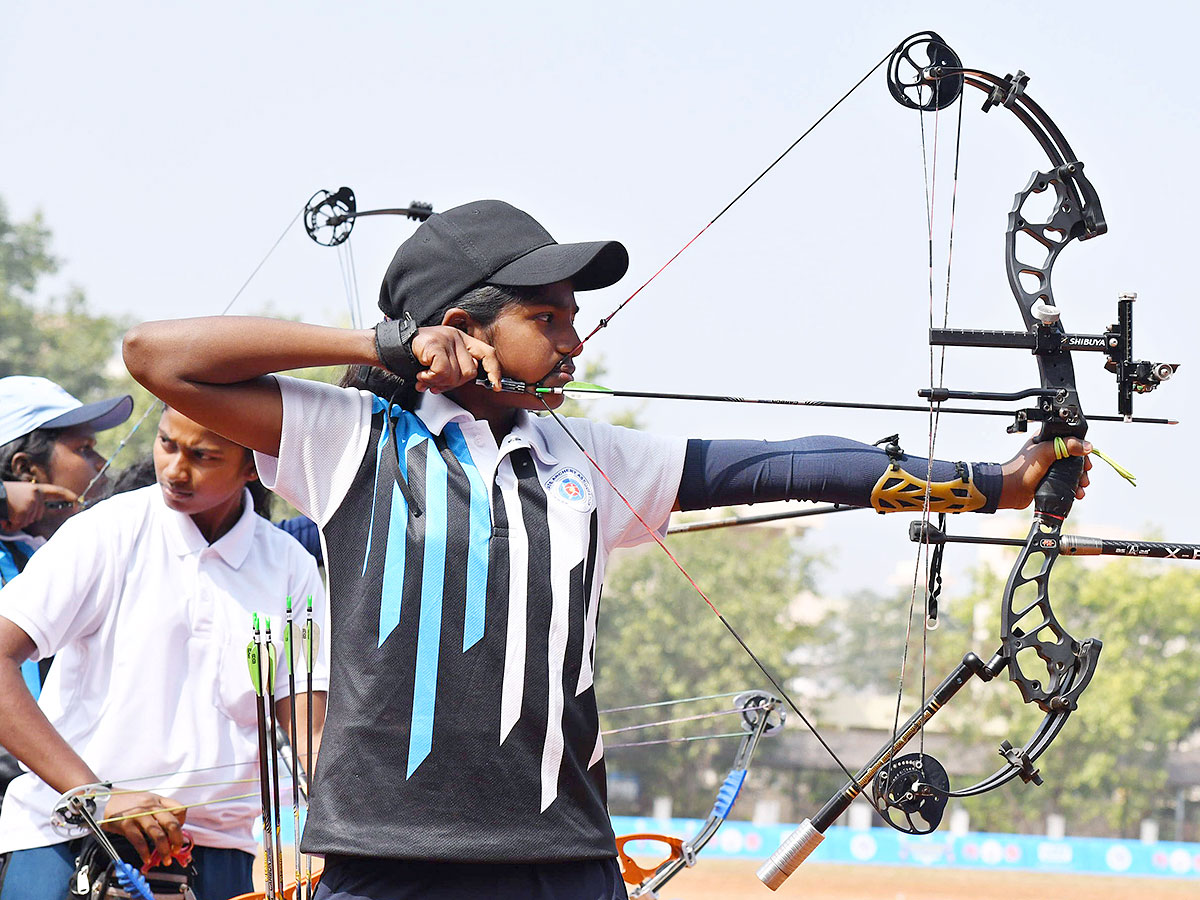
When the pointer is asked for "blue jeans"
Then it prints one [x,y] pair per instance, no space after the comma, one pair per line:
[44,873]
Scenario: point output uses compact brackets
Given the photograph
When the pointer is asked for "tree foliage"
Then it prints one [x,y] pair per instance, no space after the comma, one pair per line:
[657,642]
[1107,771]
[56,337]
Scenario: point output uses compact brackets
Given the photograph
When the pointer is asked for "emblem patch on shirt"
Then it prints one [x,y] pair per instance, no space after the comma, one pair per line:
[570,486]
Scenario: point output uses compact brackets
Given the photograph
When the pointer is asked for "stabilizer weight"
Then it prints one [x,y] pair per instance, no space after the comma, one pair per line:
[794,850]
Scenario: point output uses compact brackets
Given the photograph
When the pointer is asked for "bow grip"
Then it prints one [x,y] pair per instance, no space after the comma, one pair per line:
[1056,494]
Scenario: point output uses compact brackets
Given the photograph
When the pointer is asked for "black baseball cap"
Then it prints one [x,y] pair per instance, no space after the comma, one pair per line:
[488,242]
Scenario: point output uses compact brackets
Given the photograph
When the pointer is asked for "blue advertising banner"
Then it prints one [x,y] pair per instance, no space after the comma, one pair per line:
[974,850]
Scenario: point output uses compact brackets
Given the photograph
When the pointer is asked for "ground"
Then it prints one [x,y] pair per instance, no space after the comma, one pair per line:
[724,879]
[727,879]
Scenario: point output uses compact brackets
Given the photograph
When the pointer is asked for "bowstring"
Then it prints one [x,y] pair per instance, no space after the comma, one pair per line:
[937,372]
[605,320]
[692,718]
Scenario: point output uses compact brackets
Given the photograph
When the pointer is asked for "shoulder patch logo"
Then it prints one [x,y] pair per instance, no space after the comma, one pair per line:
[570,486]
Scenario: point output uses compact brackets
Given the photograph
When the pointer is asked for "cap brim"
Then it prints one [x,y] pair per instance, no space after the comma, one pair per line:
[588,266]
[100,415]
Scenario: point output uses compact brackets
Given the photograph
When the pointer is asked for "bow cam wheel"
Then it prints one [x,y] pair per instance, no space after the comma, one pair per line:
[924,73]
[329,218]
[910,792]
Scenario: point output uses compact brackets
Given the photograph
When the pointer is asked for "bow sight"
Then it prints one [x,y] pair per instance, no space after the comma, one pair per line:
[1133,375]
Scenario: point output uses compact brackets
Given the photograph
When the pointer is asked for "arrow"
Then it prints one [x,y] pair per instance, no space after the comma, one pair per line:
[584,388]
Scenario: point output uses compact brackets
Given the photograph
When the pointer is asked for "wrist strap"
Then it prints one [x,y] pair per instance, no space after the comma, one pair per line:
[393,345]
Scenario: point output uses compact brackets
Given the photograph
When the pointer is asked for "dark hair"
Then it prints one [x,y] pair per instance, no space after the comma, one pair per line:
[138,474]
[483,304]
[38,445]
[262,498]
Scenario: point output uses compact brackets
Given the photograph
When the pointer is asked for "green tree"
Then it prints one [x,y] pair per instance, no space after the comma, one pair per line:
[57,337]
[657,641]
[1108,770]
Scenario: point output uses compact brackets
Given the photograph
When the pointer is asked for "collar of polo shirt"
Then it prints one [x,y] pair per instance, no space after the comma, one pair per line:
[183,537]
[436,411]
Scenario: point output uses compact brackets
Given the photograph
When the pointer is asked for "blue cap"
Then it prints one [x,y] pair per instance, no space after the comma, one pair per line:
[28,403]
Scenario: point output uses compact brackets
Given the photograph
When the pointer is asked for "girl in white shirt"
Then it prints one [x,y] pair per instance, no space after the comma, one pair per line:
[146,599]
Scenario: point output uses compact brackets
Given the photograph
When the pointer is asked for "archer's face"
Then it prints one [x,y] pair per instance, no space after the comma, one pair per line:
[200,472]
[74,461]
[532,339]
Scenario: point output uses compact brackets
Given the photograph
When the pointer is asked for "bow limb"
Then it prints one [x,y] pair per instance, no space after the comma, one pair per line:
[762,714]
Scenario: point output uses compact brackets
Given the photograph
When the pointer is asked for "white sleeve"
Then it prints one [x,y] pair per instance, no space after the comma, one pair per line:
[324,437]
[645,468]
[68,586]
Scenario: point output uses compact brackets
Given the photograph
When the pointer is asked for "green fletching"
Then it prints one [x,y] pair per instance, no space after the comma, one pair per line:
[289,643]
[255,669]
[293,641]
[585,386]
[578,387]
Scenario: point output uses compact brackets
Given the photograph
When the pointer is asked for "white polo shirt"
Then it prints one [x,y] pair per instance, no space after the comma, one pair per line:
[148,624]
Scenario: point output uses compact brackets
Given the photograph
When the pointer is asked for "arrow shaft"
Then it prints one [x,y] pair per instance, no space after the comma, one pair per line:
[829,404]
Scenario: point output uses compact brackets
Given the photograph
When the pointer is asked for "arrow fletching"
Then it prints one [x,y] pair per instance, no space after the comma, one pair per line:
[253,659]
[310,636]
[132,880]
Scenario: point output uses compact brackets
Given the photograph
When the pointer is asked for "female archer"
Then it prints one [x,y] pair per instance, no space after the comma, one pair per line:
[467,541]
[146,599]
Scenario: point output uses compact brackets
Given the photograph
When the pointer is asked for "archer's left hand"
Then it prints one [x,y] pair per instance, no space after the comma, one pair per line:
[1025,471]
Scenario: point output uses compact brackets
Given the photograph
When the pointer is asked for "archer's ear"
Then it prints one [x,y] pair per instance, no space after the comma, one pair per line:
[25,469]
[465,322]
[458,318]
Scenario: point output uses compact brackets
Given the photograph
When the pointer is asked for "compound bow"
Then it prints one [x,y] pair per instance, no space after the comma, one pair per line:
[910,792]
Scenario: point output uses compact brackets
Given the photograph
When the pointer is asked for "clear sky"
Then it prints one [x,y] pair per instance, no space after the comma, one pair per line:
[168,145]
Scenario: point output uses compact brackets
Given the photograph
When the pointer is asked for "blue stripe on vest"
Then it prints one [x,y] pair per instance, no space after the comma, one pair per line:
[409,431]
[429,633]
[480,534]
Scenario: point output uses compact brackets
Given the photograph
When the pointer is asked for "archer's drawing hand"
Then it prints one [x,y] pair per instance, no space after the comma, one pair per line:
[1025,471]
[156,823]
[27,503]
[451,358]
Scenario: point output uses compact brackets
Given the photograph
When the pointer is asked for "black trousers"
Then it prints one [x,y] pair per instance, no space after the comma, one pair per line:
[363,878]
